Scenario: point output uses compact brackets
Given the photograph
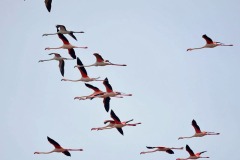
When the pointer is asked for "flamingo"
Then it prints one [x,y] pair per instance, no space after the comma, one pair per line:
[101,62]
[198,132]
[109,91]
[63,30]
[165,149]
[58,148]
[58,57]
[115,123]
[66,45]
[97,91]
[83,72]
[209,43]
[192,154]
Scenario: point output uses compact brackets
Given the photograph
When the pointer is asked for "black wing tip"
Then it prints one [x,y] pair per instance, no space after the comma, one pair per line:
[170,151]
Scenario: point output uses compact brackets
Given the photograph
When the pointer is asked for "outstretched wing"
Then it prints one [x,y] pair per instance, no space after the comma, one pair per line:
[189,151]
[106,102]
[56,145]
[196,127]
[72,53]
[66,153]
[170,151]
[92,87]
[107,85]
[98,57]
[120,130]
[82,69]
[48,4]
[208,40]
[63,38]
[71,34]
[114,117]
[150,147]
[61,67]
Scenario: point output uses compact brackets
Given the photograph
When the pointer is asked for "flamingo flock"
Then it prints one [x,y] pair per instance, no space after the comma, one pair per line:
[115,122]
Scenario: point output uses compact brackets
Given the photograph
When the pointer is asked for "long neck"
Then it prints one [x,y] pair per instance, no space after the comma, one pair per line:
[80,47]
[70,80]
[84,65]
[74,149]
[117,64]
[177,148]
[226,45]
[46,60]
[149,151]
[48,48]
[44,152]
[185,137]
[78,32]
[46,34]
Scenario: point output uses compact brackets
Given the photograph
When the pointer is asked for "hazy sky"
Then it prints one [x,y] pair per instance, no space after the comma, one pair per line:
[170,86]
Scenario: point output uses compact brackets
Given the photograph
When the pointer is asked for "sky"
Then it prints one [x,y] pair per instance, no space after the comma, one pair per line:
[170,86]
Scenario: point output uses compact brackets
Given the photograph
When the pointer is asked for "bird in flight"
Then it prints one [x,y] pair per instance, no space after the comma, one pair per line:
[192,154]
[58,57]
[209,43]
[169,150]
[101,62]
[115,123]
[58,148]
[66,45]
[198,132]
[62,29]
[84,74]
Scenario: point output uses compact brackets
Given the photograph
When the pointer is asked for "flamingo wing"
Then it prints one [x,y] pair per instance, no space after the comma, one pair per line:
[72,53]
[98,57]
[107,85]
[62,27]
[110,121]
[61,67]
[92,87]
[81,69]
[189,151]
[66,153]
[208,40]
[201,153]
[72,35]
[48,4]
[150,147]
[196,127]
[115,117]
[106,102]
[170,151]
[56,145]
[120,130]
[63,38]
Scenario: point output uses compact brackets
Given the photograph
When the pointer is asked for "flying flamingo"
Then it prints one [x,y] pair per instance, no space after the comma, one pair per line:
[198,132]
[97,91]
[115,123]
[58,57]
[58,148]
[101,62]
[63,30]
[83,72]
[164,149]
[109,91]
[209,44]
[192,155]
[66,45]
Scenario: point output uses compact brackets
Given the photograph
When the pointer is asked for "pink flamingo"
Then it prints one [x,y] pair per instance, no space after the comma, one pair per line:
[66,45]
[58,148]
[115,123]
[198,132]
[209,44]
[84,74]
[192,154]
[164,149]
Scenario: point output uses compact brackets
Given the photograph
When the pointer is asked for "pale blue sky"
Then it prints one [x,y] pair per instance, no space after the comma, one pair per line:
[170,86]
